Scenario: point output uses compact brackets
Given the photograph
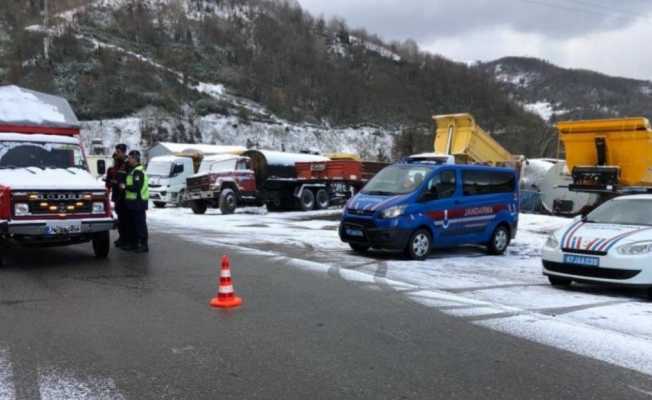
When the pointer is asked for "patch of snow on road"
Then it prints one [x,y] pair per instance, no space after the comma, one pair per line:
[7,390]
[57,385]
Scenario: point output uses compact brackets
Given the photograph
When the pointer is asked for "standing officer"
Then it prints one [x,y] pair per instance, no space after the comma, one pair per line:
[116,177]
[137,201]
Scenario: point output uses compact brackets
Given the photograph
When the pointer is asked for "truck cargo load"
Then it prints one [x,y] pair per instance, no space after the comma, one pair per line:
[277,164]
[608,154]
[460,136]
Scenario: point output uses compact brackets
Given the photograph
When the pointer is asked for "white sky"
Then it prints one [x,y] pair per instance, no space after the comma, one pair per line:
[603,35]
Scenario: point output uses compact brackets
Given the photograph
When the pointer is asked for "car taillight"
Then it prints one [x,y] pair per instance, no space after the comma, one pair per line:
[5,202]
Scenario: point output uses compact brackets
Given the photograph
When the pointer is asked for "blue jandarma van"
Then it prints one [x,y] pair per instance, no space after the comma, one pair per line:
[417,206]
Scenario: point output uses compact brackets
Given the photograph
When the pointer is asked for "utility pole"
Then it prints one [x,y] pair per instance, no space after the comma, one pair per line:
[46,39]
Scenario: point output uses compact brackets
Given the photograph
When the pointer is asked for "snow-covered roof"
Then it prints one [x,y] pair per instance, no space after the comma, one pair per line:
[21,137]
[220,157]
[203,148]
[24,107]
[289,159]
[165,159]
[635,197]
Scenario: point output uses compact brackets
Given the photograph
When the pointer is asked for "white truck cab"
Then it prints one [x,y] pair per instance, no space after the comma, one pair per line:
[167,179]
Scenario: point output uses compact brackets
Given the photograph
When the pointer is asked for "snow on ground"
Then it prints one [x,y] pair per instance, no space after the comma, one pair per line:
[507,294]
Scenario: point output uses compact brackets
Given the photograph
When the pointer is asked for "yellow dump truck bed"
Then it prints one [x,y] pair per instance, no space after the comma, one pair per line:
[460,136]
[625,143]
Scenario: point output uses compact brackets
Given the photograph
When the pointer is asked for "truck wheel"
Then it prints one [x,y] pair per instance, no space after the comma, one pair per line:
[499,241]
[419,245]
[359,248]
[228,201]
[559,282]
[101,244]
[323,199]
[307,200]
[199,207]
[158,204]
[180,197]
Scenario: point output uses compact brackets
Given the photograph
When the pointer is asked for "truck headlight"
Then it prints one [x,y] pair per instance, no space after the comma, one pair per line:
[98,208]
[21,209]
[552,242]
[393,212]
[636,248]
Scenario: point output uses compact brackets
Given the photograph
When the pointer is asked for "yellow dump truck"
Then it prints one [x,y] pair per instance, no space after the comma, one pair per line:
[459,135]
[608,155]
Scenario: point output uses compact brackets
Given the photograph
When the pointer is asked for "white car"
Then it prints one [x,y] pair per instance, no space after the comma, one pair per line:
[610,245]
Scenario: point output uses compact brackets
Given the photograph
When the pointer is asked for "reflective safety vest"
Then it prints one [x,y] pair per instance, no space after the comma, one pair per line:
[144,191]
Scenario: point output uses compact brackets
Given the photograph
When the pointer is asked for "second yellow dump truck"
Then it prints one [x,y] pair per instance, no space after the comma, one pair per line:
[608,155]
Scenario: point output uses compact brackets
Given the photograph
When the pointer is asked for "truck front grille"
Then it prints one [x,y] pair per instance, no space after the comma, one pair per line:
[44,203]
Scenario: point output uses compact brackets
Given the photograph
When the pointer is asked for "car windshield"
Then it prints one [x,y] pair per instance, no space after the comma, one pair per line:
[41,155]
[397,180]
[625,212]
[159,168]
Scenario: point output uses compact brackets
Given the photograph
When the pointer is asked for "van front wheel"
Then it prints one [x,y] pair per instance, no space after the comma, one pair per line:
[499,241]
[418,247]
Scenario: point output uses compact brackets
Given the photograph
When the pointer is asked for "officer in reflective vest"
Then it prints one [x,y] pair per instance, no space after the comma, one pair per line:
[137,202]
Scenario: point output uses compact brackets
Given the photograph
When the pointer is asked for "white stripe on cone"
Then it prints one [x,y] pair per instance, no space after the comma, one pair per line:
[225,289]
[226,273]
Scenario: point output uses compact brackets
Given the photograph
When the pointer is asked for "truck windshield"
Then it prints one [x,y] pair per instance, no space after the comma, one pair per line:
[397,180]
[159,168]
[41,155]
[624,212]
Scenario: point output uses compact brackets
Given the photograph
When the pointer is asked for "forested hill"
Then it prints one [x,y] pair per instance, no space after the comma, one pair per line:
[252,60]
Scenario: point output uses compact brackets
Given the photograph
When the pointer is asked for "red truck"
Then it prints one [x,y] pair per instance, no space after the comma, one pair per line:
[282,181]
[48,197]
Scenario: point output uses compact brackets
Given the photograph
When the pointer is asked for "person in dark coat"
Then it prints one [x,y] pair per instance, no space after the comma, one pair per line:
[137,202]
[116,176]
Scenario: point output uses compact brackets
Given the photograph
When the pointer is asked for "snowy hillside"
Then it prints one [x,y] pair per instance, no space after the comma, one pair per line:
[555,93]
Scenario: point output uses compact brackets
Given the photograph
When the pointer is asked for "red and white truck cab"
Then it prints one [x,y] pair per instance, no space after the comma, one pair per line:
[48,197]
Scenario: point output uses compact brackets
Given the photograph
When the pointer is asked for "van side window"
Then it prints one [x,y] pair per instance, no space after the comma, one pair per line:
[445,184]
[487,182]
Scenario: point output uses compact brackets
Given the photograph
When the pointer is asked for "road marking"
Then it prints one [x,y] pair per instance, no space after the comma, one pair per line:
[59,385]
[7,390]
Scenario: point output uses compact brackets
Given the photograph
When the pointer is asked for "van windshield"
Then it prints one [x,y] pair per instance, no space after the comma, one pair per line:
[41,155]
[397,180]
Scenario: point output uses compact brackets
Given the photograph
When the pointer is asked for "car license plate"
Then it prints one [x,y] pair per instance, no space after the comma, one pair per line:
[62,227]
[354,232]
[582,260]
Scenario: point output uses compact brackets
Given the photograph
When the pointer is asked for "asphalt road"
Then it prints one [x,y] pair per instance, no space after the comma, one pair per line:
[139,327]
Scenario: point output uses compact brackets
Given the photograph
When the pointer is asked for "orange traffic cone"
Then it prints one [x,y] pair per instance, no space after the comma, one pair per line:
[226,297]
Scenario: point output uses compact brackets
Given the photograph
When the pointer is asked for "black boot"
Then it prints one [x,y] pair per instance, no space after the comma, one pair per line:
[142,248]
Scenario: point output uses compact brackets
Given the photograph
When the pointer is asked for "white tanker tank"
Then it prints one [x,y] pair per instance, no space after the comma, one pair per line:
[557,199]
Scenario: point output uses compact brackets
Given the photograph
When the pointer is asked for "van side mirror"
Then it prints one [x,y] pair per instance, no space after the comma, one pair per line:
[430,195]
[101,167]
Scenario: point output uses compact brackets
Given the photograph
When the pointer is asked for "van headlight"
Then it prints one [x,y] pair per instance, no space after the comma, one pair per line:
[98,208]
[393,212]
[21,209]
[552,242]
[636,248]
